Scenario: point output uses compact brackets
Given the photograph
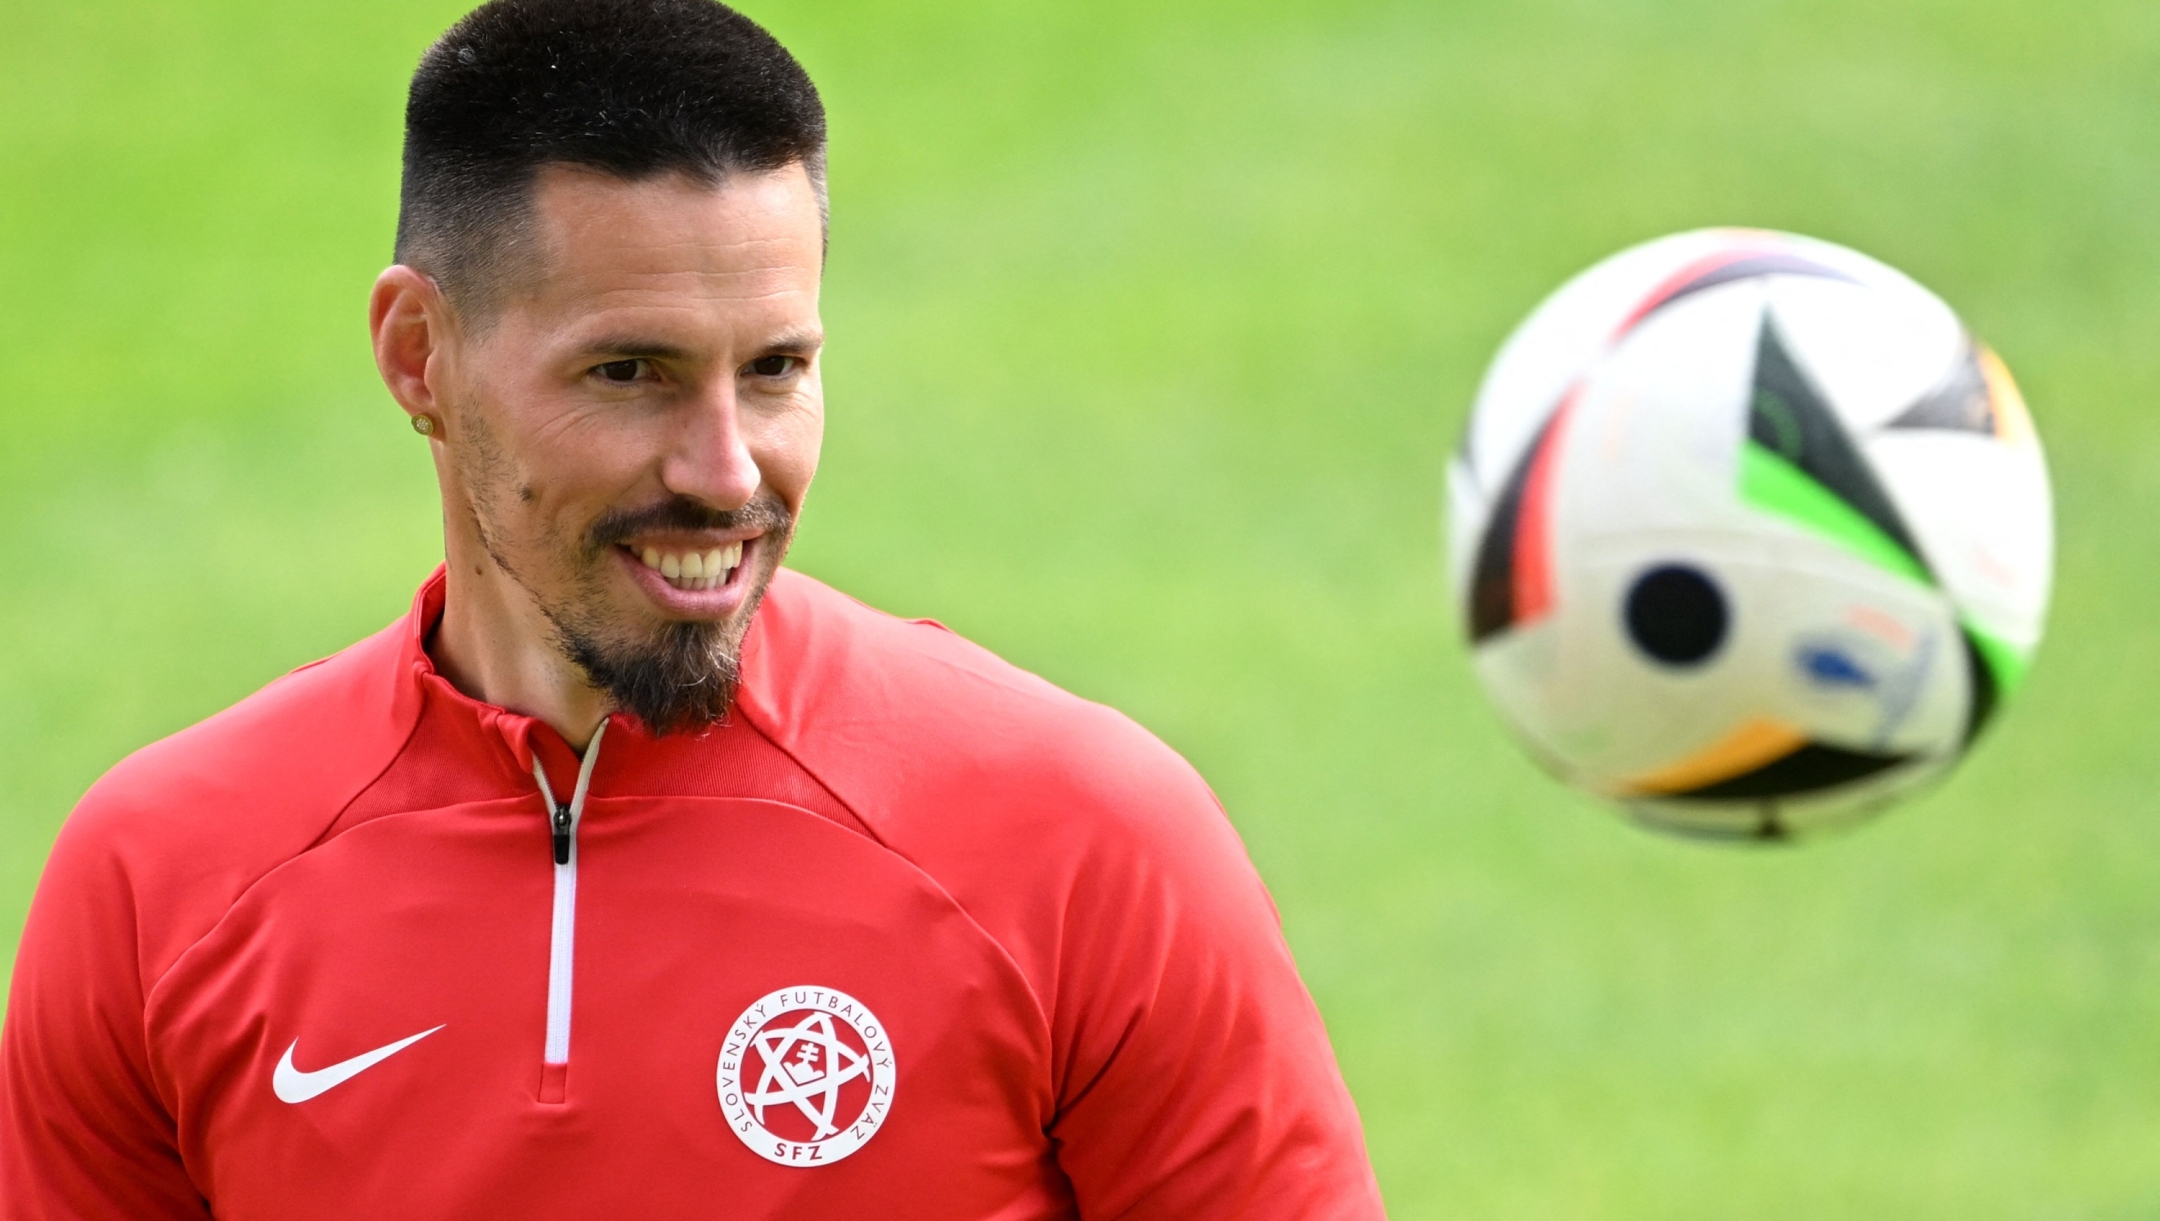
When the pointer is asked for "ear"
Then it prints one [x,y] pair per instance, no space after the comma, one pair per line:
[412,325]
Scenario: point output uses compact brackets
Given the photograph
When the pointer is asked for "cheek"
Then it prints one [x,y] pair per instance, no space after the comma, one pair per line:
[571,461]
[482,465]
[542,491]
[788,457]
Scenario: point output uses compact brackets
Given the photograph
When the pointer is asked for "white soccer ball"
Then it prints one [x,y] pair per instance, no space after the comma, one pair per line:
[1749,534]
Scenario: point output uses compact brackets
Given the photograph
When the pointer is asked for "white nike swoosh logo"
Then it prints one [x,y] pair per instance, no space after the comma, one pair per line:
[292,1085]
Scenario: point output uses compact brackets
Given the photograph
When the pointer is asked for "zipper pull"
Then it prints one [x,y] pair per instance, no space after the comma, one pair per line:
[562,835]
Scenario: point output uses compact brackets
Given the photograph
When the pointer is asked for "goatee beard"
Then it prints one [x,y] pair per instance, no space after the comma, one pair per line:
[685,676]
[684,680]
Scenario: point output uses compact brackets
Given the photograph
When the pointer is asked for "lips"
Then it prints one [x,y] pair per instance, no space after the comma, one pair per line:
[691,561]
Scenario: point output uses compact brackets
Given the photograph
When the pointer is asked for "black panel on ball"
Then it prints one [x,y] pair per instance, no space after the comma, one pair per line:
[1790,417]
[1810,769]
[1492,576]
[1676,614]
[1981,707]
[1961,402]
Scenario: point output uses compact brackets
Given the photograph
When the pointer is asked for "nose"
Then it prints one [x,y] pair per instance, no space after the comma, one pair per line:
[710,459]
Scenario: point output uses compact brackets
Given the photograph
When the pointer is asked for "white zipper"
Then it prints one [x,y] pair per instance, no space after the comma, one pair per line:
[563,824]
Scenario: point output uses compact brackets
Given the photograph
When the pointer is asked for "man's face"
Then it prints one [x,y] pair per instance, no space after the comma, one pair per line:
[635,428]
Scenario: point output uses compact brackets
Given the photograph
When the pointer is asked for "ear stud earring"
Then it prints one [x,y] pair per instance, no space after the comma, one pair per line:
[424,425]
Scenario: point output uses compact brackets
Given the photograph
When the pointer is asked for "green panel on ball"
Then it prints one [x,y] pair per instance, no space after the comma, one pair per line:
[1771,483]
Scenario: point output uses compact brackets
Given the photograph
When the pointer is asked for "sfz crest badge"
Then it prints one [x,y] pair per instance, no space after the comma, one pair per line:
[806,1076]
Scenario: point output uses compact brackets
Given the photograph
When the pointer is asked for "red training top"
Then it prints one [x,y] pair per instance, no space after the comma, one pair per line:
[911,934]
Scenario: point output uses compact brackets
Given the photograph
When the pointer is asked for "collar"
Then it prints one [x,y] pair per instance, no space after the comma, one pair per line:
[525,737]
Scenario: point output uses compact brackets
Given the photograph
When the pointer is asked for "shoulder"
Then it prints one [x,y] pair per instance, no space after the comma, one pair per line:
[181,827]
[914,721]
[1057,824]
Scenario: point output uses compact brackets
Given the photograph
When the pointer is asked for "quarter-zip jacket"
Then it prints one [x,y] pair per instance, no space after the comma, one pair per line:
[911,934]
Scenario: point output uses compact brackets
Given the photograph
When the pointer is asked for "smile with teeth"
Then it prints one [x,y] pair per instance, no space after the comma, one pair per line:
[693,569]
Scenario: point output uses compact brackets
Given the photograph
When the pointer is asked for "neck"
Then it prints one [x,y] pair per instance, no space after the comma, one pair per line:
[494,645]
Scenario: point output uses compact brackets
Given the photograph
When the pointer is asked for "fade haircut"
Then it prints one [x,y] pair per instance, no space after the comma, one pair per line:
[632,88]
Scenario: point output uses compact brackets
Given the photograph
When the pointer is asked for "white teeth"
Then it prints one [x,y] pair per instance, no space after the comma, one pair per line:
[694,569]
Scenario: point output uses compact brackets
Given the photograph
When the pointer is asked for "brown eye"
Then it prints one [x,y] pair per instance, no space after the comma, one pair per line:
[620,372]
[773,366]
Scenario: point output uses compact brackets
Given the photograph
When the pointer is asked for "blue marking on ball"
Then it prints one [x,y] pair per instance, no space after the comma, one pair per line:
[1828,666]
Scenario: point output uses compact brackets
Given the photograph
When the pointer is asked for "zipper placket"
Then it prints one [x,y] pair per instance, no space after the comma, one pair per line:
[562,933]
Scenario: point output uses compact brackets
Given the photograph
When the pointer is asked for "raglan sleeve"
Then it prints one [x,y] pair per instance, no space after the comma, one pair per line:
[83,1133]
[1194,1076]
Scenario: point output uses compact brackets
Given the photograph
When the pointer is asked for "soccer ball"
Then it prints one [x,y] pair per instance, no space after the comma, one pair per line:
[1749,534]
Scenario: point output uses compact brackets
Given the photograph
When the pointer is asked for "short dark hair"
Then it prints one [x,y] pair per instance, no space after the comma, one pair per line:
[632,88]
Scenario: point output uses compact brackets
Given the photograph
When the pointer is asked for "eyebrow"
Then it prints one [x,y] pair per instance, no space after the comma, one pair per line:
[797,341]
[628,346]
[633,347]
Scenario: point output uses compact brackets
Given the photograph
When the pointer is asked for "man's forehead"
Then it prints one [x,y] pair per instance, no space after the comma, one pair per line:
[750,240]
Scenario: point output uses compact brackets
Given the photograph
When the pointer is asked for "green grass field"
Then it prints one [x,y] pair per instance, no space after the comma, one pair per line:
[1151,328]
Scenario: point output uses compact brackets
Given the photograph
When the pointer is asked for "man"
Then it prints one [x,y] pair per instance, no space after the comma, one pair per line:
[629,875]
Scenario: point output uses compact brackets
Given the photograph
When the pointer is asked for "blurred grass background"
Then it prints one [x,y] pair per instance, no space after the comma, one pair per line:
[1151,327]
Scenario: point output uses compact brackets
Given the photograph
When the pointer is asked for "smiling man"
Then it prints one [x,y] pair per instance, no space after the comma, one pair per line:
[630,875]
[624,443]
